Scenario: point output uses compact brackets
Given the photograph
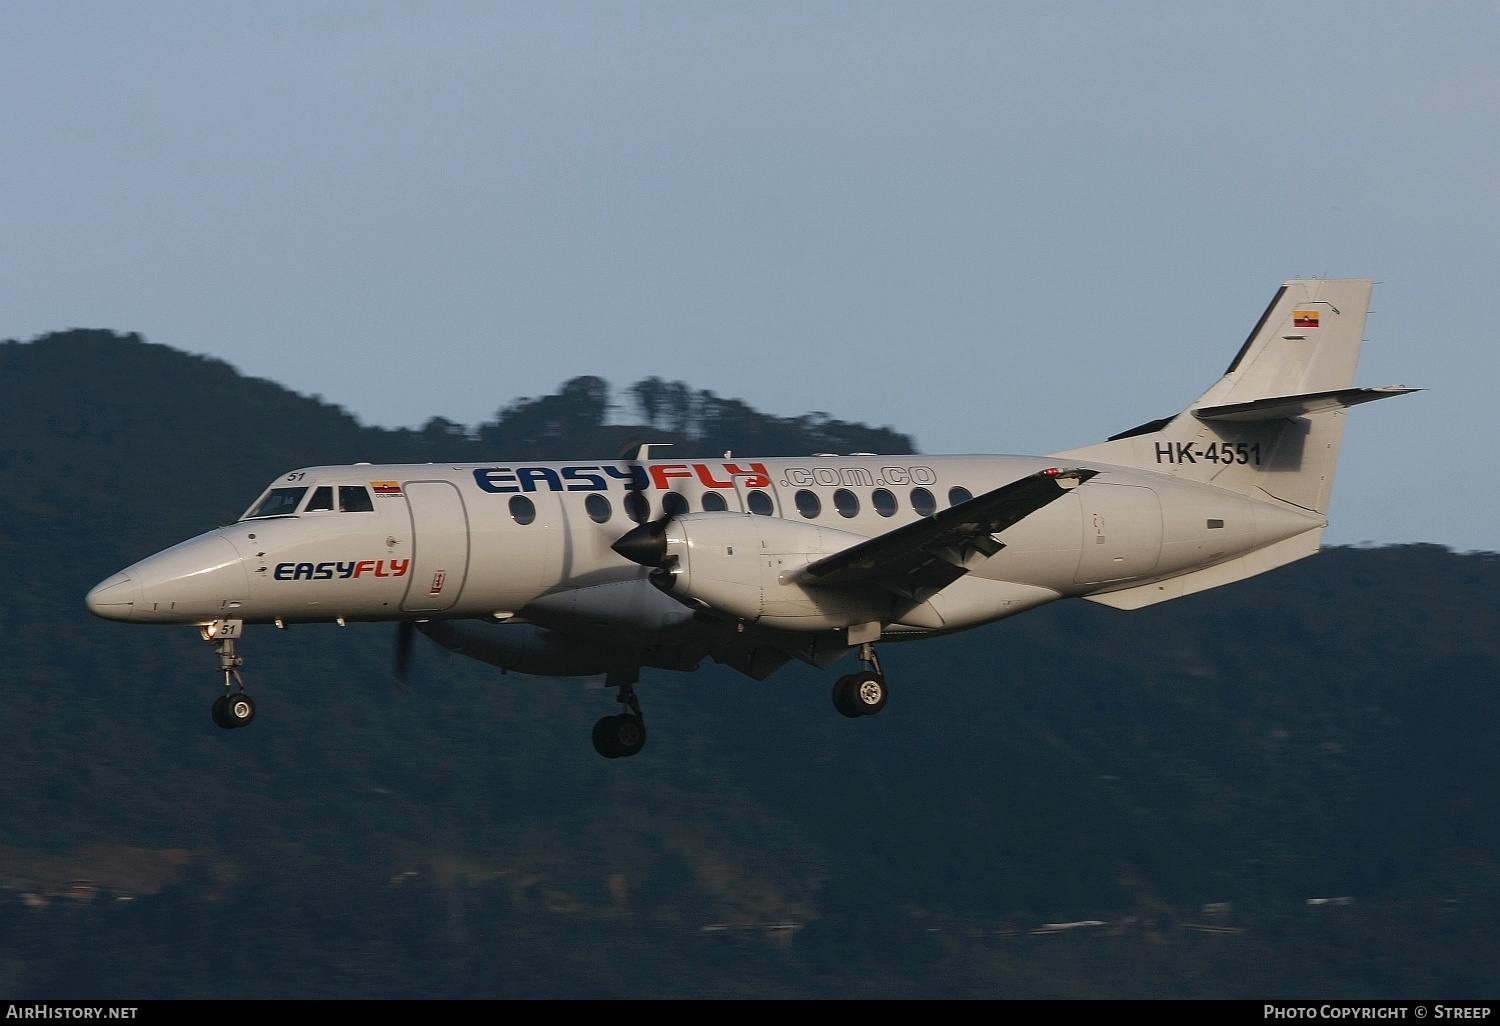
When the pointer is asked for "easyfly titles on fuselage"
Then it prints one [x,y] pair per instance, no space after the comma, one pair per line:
[391,542]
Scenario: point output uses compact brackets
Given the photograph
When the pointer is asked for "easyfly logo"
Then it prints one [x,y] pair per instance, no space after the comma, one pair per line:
[633,477]
[343,571]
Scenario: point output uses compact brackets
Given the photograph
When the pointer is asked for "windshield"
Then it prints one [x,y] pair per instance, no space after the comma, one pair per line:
[355,499]
[279,502]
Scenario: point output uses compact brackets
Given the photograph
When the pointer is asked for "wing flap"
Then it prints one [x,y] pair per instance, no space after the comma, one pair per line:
[924,557]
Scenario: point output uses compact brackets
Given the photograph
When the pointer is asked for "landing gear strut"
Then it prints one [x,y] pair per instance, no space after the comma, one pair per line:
[863,693]
[624,735]
[232,709]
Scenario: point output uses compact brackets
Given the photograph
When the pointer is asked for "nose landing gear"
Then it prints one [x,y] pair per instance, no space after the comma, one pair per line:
[231,709]
[617,737]
[863,693]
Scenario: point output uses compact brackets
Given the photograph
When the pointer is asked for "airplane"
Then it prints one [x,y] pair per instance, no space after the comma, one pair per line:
[586,568]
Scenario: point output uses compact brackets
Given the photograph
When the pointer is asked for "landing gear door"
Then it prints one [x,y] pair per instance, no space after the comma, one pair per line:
[440,536]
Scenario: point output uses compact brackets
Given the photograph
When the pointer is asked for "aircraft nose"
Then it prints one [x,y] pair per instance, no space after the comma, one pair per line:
[113,598]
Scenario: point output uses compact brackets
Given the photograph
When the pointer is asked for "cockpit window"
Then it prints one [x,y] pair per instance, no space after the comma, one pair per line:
[322,500]
[279,502]
[355,499]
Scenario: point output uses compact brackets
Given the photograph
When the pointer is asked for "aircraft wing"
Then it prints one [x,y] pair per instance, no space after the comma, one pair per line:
[924,557]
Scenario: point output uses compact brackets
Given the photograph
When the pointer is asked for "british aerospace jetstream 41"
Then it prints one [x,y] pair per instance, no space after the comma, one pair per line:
[604,568]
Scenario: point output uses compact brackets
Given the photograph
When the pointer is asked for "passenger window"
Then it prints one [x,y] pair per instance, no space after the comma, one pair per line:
[322,500]
[521,510]
[761,504]
[637,507]
[808,504]
[598,508]
[846,502]
[923,502]
[959,494]
[355,499]
[713,502]
[673,505]
[884,502]
[281,502]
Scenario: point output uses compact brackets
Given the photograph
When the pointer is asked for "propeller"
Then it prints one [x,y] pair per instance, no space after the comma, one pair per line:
[646,543]
[405,635]
[637,506]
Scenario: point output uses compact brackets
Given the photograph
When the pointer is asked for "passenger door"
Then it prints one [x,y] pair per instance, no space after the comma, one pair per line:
[440,543]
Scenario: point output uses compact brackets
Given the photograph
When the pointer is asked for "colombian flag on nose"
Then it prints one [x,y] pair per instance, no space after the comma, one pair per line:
[1305,318]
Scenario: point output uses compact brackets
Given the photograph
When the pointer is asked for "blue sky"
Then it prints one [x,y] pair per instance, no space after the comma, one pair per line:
[998,227]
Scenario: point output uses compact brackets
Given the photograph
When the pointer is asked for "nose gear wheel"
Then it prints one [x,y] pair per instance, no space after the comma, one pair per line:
[231,710]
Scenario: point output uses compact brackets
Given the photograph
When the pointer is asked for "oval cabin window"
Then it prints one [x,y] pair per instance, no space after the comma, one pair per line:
[637,508]
[521,510]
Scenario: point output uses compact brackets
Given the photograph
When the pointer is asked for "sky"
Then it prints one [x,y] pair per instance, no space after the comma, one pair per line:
[998,227]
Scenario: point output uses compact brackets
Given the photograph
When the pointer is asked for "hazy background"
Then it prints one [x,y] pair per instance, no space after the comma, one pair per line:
[997,227]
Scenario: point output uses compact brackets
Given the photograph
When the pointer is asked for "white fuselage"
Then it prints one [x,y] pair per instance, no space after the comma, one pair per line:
[505,540]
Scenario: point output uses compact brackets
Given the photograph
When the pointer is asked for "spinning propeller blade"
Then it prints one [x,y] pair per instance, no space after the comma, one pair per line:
[646,544]
[405,631]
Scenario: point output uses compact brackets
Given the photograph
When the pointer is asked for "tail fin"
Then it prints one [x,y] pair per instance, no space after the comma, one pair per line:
[1273,424]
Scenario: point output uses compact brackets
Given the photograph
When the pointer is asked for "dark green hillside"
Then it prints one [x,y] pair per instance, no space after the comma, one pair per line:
[1189,775]
[111,429]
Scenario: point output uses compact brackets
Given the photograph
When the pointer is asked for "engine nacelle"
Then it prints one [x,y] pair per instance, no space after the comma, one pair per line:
[743,565]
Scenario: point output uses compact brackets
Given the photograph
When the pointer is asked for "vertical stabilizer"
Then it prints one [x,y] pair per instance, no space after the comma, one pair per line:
[1307,341]
[1303,351]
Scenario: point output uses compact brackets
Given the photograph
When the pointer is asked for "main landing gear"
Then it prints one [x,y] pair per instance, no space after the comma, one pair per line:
[863,693]
[232,709]
[621,736]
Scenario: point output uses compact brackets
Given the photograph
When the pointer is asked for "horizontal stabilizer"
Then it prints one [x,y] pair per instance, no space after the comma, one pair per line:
[1283,406]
